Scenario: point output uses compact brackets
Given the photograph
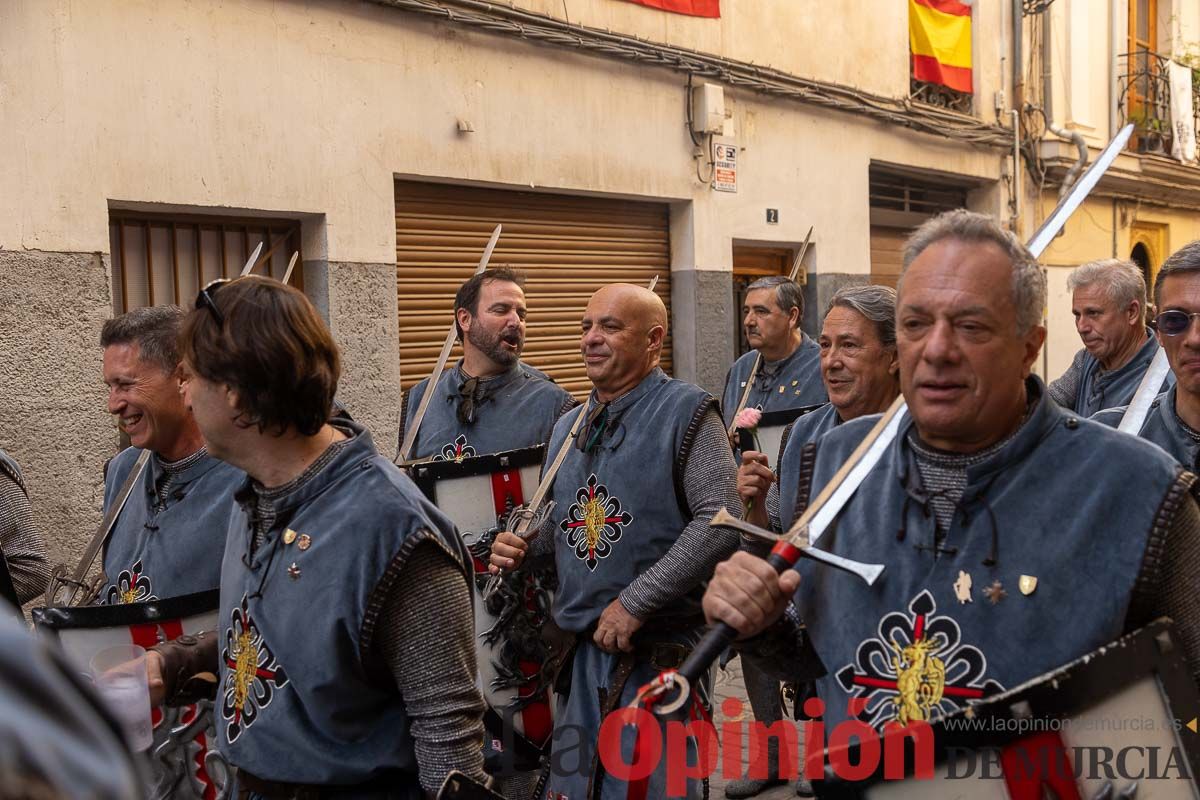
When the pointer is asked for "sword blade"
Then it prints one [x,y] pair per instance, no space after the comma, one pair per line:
[291,265]
[1137,410]
[410,435]
[246,270]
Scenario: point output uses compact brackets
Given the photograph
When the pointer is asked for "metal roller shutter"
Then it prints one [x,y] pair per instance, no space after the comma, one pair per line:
[887,254]
[567,246]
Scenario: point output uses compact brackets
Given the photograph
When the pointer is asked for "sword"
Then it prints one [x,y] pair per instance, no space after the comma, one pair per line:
[291,266]
[816,518]
[252,262]
[410,435]
[1139,408]
[795,273]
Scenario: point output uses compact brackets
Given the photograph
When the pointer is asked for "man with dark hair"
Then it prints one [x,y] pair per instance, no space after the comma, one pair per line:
[966,507]
[1174,419]
[1108,299]
[371,694]
[169,536]
[490,401]
[629,534]
[789,375]
[22,548]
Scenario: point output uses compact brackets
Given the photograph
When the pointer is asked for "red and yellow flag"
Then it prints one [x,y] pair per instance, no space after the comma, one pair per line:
[939,36]
[695,8]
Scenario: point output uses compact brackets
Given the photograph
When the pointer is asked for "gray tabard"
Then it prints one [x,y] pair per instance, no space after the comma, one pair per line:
[1099,390]
[791,383]
[1161,427]
[808,428]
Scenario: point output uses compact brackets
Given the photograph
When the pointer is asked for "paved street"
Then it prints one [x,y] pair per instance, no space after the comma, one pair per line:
[728,683]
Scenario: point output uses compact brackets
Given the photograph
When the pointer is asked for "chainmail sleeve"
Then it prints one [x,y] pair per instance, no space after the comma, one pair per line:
[1065,389]
[21,541]
[1170,573]
[709,482]
[425,635]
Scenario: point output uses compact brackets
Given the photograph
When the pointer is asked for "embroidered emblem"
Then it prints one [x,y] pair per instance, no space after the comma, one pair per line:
[131,586]
[252,676]
[916,668]
[594,523]
[456,451]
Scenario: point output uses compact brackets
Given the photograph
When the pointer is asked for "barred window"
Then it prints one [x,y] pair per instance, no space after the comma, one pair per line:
[159,259]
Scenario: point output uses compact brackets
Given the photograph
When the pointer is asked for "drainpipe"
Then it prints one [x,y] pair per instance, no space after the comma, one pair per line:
[1018,65]
[1048,108]
[1115,46]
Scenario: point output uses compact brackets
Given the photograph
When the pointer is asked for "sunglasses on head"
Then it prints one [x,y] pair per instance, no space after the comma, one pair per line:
[1173,323]
[205,299]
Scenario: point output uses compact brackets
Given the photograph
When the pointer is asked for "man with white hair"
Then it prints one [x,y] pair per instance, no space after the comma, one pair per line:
[966,508]
[1108,300]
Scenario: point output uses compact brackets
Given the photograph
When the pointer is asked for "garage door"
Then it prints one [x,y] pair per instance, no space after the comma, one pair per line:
[567,246]
[887,254]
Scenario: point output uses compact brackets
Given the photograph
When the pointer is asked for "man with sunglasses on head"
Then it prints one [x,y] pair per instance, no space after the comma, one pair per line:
[168,538]
[1174,419]
[1108,299]
[490,402]
[629,534]
[344,645]
[789,375]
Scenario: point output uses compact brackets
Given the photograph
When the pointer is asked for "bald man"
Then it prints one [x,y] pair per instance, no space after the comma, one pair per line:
[629,532]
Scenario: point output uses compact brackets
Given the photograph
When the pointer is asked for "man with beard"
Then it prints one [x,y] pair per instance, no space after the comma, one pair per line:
[967,498]
[861,373]
[489,402]
[344,645]
[1174,419]
[789,375]
[629,533]
[169,536]
[1108,299]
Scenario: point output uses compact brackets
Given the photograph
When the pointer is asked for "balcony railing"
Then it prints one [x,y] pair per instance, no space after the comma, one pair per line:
[937,95]
[1145,100]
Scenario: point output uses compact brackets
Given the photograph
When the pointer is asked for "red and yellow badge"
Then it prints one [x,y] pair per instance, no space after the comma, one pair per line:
[594,523]
[131,586]
[252,674]
[456,451]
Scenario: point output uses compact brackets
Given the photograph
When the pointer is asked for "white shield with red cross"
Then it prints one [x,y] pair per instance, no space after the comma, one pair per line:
[478,495]
[184,759]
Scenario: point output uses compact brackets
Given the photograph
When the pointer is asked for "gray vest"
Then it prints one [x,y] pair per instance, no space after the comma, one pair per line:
[791,383]
[518,410]
[174,549]
[301,699]
[907,646]
[621,506]
[1160,427]
[1099,390]
[808,428]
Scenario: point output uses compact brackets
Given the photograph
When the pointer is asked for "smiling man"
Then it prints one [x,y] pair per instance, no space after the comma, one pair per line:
[790,373]
[968,509]
[490,401]
[169,537]
[1108,300]
[629,532]
[1174,419]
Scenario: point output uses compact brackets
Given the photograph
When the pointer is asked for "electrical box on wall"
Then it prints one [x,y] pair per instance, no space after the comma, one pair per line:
[708,108]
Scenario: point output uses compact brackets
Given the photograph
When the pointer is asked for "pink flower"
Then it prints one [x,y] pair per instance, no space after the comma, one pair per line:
[748,419]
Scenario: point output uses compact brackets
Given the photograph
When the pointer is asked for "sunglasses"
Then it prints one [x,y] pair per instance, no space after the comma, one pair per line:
[205,299]
[1173,323]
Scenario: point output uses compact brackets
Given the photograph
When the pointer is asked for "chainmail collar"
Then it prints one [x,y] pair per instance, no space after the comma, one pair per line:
[945,458]
[182,465]
[271,494]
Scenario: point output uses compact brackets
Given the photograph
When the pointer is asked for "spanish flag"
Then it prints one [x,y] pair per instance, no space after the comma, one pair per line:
[939,36]
[695,8]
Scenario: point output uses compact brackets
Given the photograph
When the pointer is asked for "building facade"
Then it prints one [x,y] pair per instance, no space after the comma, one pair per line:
[152,145]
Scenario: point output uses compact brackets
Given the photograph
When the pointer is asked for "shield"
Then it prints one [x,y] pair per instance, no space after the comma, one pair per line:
[1116,723]
[479,494]
[770,431]
[184,765]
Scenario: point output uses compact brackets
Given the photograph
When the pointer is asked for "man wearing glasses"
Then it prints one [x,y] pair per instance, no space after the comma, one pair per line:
[1108,299]
[169,536]
[344,644]
[789,375]
[490,402]
[1174,419]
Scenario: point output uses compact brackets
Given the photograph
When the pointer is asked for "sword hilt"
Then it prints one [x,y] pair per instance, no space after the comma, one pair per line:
[720,636]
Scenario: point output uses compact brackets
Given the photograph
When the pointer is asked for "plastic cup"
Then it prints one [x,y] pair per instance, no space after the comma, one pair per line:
[120,676]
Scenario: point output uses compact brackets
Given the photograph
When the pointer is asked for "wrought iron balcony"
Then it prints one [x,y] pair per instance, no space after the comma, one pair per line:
[937,95]
[1145,100]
